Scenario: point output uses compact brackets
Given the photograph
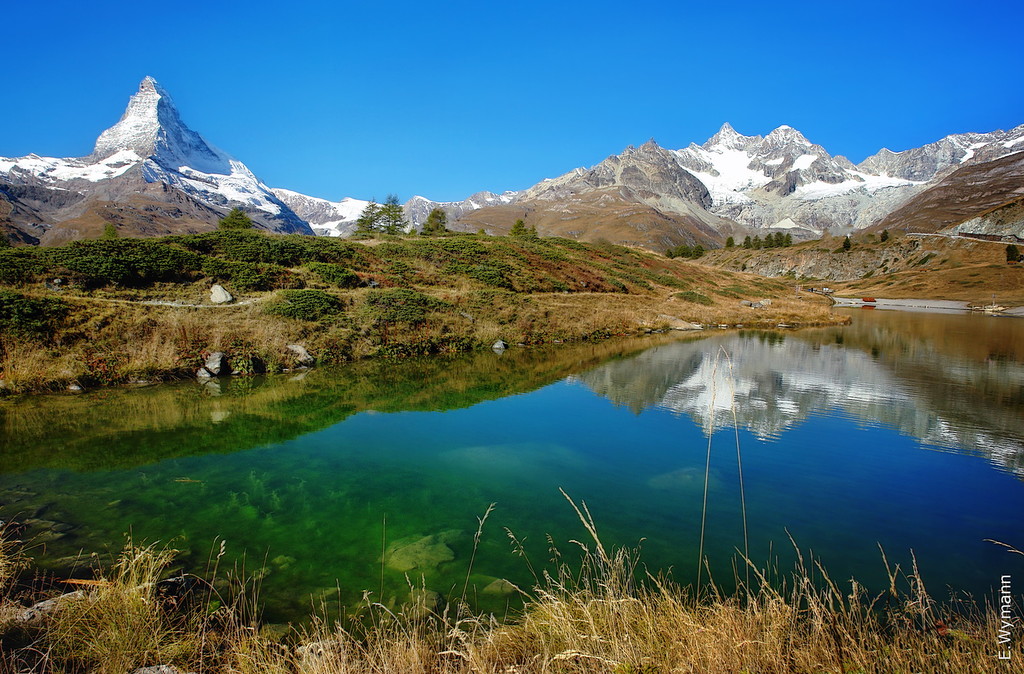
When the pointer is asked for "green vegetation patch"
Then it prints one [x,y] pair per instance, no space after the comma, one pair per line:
[401,305]
[335,274]
[124,262]
[19,265]
[306,305]
[29,316]
[694,297]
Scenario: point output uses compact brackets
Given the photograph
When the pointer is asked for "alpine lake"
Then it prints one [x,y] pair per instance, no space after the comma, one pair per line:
[335,486]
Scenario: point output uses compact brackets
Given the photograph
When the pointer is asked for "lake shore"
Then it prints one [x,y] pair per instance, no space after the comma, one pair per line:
[915,305]
[99,313]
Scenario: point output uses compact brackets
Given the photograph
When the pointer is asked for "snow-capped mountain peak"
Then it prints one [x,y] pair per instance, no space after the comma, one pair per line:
[729,139]
[151,144]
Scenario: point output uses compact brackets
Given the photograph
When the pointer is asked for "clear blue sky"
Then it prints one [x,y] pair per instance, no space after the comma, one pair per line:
[442,99]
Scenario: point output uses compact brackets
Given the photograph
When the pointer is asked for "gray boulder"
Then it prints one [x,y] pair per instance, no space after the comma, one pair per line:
[302,357]
[217,364]
[499,345]
[218,295]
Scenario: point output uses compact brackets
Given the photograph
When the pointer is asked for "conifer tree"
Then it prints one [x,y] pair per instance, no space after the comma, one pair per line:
[436,223]
[236,219]
[885,235]
[1012,253]
[730,242]
[368,221]
[518,228]
[847,244]
[746,242]
[788,241]
[392,217]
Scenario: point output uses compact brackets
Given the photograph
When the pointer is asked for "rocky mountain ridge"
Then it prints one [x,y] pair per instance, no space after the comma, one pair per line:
[150,174]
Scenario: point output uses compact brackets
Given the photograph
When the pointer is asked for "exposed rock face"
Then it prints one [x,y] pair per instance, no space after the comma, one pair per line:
[162,176]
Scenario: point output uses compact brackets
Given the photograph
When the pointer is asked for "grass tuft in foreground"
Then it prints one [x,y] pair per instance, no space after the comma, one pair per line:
[603,615]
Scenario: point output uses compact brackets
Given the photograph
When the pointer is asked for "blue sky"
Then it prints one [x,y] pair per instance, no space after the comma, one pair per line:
[361,99]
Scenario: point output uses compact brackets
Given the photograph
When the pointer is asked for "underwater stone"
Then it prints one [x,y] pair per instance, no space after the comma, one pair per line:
[427,552]
[499,586]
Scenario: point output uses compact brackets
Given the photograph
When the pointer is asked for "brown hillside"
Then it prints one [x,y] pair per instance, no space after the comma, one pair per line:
[964,194]
[596,216]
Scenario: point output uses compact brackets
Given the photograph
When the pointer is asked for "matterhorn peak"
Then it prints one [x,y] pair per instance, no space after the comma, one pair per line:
[152,128]
[139,126]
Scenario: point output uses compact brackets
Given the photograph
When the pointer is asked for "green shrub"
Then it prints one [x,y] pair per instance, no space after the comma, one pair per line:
[335,274]
[400,306]
[125,262]
[694,297]
[24,316]
[306,305]
[250,276]
[19,265]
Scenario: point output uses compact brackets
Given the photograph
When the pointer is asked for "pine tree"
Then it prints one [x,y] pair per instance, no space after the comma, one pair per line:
[369,220]
[846,243]
[788,241]
[109,231]
[746,242]
[885,235]
[236,219]
[518,229]
[730,242]
[392,217]
[756,243]
[436,223]
[1012,253]
[4,241]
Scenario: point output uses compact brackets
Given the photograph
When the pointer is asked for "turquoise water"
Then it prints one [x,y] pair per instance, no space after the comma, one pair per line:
[904,431]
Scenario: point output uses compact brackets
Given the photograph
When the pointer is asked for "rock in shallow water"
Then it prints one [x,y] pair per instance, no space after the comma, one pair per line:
[423,553]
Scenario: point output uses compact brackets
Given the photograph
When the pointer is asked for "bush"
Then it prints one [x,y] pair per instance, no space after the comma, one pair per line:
[19,265]
[28,316]
[306,305]
[246,246]
[125,262]
[335,274]
[694,297]
[250,276]
[400,306]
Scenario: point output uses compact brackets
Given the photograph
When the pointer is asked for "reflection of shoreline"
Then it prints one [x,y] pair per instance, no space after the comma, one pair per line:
[113,429]
[959,395]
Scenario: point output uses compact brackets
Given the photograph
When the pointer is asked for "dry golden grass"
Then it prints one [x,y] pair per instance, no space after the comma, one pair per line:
[109,340]
[602,615]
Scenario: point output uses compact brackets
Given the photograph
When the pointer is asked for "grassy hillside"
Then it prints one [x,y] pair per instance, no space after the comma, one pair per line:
[932,267]
[115,310]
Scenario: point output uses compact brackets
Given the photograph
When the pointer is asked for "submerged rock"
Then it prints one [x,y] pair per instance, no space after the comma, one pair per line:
[499,586]
[424,553]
